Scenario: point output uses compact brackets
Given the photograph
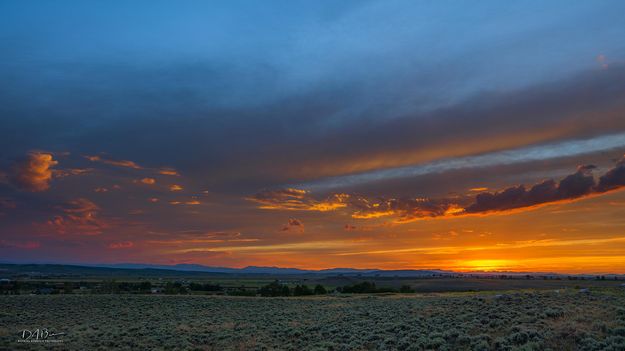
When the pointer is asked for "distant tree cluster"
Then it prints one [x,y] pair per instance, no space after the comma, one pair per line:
[242,292]
[174,288]
[9,288]
[205,287]
[277,289]
[111,286]
[115,287]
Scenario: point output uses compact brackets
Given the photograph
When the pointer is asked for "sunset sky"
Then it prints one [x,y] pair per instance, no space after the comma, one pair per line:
[463,135]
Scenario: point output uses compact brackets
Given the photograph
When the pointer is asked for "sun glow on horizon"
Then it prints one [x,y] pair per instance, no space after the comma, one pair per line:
[488,265]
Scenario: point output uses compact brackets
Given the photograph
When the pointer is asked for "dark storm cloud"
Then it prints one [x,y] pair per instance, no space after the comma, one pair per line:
[576,185]
[581,183]
[613,179]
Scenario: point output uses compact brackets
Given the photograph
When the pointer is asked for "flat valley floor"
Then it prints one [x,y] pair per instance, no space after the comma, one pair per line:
[524,320]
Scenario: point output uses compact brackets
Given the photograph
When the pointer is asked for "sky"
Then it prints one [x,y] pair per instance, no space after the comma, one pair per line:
[460,135]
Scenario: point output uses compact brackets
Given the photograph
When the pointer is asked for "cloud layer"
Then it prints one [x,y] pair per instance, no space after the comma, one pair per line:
[574,186]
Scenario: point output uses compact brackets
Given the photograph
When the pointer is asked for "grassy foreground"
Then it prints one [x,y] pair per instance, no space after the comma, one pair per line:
[528,320]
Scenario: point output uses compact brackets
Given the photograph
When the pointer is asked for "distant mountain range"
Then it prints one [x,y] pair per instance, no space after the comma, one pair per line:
[274,270]
[197,269]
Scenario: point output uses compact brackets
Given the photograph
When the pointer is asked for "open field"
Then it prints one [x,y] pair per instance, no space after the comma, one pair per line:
[522,320]
[92,279]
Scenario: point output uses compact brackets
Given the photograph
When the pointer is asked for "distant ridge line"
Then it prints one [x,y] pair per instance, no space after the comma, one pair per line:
[372,272]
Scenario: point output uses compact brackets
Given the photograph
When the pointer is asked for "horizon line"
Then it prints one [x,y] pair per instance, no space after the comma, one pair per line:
[306,270]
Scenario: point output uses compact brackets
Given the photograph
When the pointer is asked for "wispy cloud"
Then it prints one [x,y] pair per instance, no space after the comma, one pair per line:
[297,199]
[169,171]
[520,155]
[118,163]
[453,250]
[175,187]
[299,246]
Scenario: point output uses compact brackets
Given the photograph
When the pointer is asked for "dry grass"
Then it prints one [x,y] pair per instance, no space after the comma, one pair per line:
[513,321]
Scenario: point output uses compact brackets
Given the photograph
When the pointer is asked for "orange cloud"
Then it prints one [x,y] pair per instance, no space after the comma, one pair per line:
[34,172]
[372,214]
[408,210]
[168,171]
[119,163]
[191,202]
[80,217]
[297,199]
[175,187]
[149,181]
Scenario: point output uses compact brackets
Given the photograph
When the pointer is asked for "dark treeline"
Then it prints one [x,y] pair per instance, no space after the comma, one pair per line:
[277,289]
[273,289]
